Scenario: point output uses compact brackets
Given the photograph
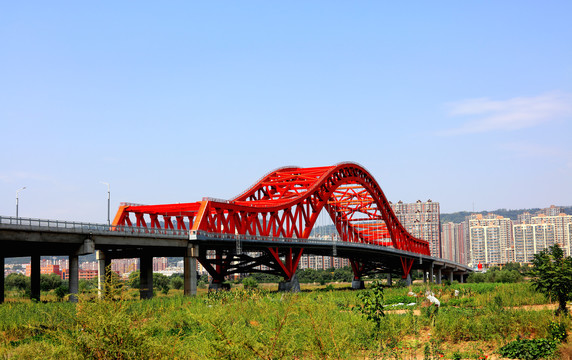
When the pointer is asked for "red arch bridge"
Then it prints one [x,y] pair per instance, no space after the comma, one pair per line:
[267,229]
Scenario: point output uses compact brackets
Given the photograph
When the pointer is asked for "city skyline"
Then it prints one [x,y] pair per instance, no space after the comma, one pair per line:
[467,104]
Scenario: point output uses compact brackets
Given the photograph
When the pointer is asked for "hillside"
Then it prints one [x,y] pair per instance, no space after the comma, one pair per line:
[458,217]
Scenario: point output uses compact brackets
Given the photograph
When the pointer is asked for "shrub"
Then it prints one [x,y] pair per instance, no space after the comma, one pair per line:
[372,303]
[61,292]
[249,283]
[177,282]
[529,349]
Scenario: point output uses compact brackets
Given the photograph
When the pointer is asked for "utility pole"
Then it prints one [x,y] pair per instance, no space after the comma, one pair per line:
[17,199]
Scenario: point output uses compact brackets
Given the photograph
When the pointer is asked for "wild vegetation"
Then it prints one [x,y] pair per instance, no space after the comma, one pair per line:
[474,321]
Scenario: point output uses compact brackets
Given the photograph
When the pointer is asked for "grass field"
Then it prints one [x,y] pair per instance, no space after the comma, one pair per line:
[317,323]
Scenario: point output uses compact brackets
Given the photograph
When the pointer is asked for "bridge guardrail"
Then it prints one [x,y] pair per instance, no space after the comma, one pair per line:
[81,227]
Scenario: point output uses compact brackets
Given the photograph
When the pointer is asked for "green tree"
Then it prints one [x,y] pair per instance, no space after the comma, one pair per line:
[50,282]
[552,275]
[134,280]
[17,281]
[177,282]
[162,282]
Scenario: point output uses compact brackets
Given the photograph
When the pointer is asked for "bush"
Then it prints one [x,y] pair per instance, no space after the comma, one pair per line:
[529,349]
[50,282]
[17,282]
[177,282]
[249,283]
[372,303]
[61,292]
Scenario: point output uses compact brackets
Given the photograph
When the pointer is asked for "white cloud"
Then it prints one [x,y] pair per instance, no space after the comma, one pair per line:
[484,115]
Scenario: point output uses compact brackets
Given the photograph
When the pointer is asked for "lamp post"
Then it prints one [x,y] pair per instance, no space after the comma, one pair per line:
[17,199]
[108,201]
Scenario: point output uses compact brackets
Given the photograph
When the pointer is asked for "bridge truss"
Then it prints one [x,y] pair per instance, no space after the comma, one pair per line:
[285,203]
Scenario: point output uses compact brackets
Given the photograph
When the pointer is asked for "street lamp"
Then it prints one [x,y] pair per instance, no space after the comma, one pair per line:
[17,199]
[108,201]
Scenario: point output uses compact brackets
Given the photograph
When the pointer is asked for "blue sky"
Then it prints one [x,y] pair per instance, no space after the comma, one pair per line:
[460,102]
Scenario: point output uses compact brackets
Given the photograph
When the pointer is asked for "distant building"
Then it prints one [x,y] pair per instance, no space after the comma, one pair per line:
[160,264]
[321,262]
[530,239]
[550,211]
[524,218]
[490,238]
[83,274]
[561,226]
[453,244]
[422,220]
[46,270]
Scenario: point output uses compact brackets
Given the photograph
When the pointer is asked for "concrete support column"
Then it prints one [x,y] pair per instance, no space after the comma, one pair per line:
[389,280]
[358,284]
[462,278]
[439,276]
[35,277]
[408,279]
[431,274]
[292,286]
[424,276]
[74,277]
[146,277]
[451,277]
[190,276]
[2,279]
[103,263]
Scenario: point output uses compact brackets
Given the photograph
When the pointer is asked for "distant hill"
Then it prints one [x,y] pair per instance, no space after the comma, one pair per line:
[458,217]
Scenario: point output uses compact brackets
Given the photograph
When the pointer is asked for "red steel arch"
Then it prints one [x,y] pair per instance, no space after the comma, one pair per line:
[286,203]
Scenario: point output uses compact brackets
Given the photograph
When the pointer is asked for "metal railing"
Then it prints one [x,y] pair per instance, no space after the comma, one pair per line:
[86,228]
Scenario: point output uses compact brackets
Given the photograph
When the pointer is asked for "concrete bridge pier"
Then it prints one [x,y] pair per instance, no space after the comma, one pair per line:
[103,263]
[408,280]
[451,277]
[146,277]
[35,277]
[73,277]
[424,276]
[439,276]
[2,280]
[358,284]
[293,285]
[190,274]
[431,273]
[389,279]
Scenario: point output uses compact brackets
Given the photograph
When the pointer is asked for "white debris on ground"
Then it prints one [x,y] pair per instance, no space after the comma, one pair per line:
[456,292]
[400,304]
[431,297]
[411,293]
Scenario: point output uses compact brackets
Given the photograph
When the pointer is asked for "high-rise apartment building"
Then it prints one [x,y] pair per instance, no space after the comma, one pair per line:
[550,211]
[524,218]
[530,239]
[490,238]
[422,220]
[321,262]
[562,228]
[453,244]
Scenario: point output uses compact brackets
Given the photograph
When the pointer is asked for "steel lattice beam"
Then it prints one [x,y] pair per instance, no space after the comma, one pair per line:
[286,203]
